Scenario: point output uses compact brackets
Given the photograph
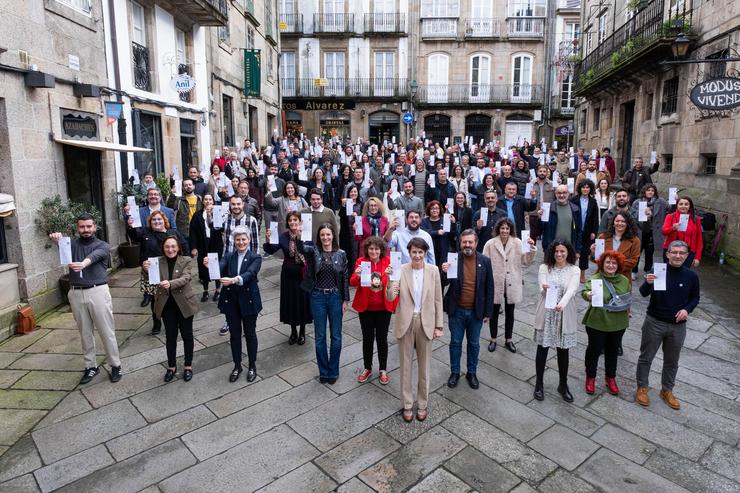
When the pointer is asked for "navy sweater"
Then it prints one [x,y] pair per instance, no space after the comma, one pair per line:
[682,293]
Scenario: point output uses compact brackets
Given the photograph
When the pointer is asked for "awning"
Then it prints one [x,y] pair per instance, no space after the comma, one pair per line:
[102,146]
[7,205]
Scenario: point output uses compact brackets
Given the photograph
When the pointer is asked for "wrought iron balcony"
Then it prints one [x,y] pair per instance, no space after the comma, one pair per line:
[291,24]
[569,5]
[385,23]
[204,12]
[476,94]
[142,67]
[483,28]
[344,87]
[445,28]
[526,27]
[333,23]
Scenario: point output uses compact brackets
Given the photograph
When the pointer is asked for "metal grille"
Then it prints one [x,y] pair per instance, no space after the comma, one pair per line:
[437,128]
[670,97]
[185,96]
[142,75]
[478,127]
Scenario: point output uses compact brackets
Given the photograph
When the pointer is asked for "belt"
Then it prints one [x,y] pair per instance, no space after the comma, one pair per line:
[326,291]
[88,287]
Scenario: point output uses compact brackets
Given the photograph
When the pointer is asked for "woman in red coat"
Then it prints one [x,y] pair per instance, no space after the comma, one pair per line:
[373,307]
[691,234]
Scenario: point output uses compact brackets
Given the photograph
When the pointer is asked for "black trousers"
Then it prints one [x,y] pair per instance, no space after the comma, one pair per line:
[247,324]
[609,342]
[174,322]
[508,320]
[374,326]
[541,360]
[157,322]
[647,246]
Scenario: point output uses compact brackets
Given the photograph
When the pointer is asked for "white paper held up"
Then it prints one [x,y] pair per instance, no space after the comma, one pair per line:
[452,269]
[551,298]
[597,293]
[660,270]
[154,270]
[214,270]
[307,220]
[65,250]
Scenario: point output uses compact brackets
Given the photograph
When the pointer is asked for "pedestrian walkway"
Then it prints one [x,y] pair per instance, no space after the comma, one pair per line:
[287,432]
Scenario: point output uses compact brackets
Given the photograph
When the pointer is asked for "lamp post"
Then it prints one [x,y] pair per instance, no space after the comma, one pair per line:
[680,46]
[414,87]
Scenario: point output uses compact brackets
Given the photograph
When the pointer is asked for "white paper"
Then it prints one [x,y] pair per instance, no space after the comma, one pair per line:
[545,218]
[484,215]
[602,164]
[446,224]
[271,184]
[528,190]
[452,269]
[551,298]
[555,179]
[432,181]
[65,250]
[525,241]
[214,271]
[450,205]
[533,173]
[349,207]
[396,266]
[307,220]
[597,293]
[218,216]
[401,216]
[599,248]
[498,167]
[572,162]
[683,222]
[642,211]
[154,270]
[274,233]
[365,274]
[672,195]
[135,217]
[660,270]
[135,176]
[555,144]
[303,175]
[178,188]
[571,185]
[131,202]
[358,226]
[653,157]
[593,153]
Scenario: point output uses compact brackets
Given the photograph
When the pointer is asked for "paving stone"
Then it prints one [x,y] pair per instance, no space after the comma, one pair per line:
[699,324]
[131,322]
[7,358]
[562,480]
[9,377]
[72,405]
[438,375]
[550,444]
[502,448]
[300,374]
[151,489]
[130,306]
[62,362]
[645,423]
[523,488]
[138,344]
[516,365]
[716,368]
[609,471]
[356,454]
[439,410]
[30,399]
[340,419]
[723,459]
[14,423]
[354,485]
[279,358]
[573,417]
[179,395]
[482,473]
[137,441]
[81,432]
[306,479]
[72,468]
[48,380]
[18,343]
[247,396]
[152,357]
[689,474]
[236,428]
[624,443]
[138,472]
[440,480]
[212,338]
[706,382]
[271,455]
[19,459]
[503,382]
[132,383]
[517,419]
[413,461]
[206,358]
[722,348]
[702,420]
[23,484]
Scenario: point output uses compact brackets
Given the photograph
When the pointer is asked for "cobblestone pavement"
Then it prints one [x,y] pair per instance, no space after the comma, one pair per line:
[287,432]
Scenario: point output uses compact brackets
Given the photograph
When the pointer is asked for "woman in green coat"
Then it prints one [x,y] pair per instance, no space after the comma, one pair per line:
[605,326]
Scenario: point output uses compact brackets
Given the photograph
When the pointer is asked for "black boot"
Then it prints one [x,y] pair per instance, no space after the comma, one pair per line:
[539,392]
[293,335]
[302,336]
[564,391]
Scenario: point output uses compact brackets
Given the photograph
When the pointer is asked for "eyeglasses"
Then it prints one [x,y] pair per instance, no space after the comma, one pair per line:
[678,253]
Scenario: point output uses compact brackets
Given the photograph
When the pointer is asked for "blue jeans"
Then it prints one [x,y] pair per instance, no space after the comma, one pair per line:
[464,323]
[327,306]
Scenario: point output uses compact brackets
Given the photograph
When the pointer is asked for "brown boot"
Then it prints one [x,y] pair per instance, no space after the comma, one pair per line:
[670,399]
[642,397]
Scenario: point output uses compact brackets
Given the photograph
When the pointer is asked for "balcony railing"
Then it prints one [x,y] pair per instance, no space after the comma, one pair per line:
[205,12]
[291,23]
[185,69]
[385,23]
[344,88]
[142,67]
[439,28]
[480,93]
[483,28]
[526,27]
[333,23]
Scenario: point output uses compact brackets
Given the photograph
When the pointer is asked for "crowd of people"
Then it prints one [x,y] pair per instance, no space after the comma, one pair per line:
[419,229]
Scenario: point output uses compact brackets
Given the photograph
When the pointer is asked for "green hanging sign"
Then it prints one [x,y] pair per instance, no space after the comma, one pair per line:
[252,75]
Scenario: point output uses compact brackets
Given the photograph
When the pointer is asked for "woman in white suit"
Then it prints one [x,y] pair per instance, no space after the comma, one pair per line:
[418,320]
[556,327]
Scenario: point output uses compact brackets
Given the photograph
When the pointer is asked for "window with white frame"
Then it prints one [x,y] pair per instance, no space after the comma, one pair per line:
[566,93]
[287,73]
[270,65]
[527,8]
[440,8]
[250,38]
[480,77]
[572,31]
[334,71]
[82,6]
[521,78]
[602,28]
[384,73]
[268,15]
[138,24]
[437,77]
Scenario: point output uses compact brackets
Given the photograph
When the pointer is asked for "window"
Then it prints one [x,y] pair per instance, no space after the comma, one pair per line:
[270,66]
[667,163]
[480,77]
[566,92]
[521,78]
[582,122]
[141,58]
[609,117]
[83,6]
[710,164]
[138,24]
[602,28]
[589,40]
[268,16]
[669,103]
[440,8]
[250,38]
[287,73]
[527,8]
[648,114]
[572,30]
[228,119]
[224,36]
[597,119]
[334,68]
[719,68]
[384,72]
[437,73]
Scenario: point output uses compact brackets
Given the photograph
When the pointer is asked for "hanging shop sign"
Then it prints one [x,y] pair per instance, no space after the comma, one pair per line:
[563,131]
[252,74]
[318,104]
[183,83]
[720,94]
[79,125]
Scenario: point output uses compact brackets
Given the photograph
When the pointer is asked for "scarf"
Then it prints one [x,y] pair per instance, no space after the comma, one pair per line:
[374,220]
[293,251]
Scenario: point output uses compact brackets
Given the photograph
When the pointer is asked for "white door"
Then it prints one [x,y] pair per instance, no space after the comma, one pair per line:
[521,79]
[384,73]
[480,78]
[383,18]
[334,72]
[333,15]
[517,133]
[481,23]
[287,75]
[437,78]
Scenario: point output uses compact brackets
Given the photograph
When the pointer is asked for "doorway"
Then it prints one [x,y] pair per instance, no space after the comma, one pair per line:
[84,181]
[384,125]
[437,128]
[628,129]
[188,145]
[478,127]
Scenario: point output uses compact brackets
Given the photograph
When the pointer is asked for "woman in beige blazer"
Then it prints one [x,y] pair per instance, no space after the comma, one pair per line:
[418,320]
[175,304]
[507,260]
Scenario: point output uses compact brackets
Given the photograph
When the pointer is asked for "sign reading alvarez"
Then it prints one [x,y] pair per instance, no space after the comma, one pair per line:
[722,93]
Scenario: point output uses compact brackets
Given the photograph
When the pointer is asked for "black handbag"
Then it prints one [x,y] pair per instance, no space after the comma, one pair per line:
[618,302]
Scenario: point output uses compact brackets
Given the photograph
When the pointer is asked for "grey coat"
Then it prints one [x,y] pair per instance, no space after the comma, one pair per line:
[659,210]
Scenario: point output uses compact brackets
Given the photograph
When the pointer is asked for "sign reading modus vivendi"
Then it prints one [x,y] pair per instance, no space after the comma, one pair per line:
[722,93]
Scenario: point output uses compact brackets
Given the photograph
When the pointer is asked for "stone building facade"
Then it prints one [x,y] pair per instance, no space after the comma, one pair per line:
[633,103]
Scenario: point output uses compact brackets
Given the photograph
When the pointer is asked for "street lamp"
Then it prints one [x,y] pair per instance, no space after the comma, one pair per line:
[413,88]
[680,46]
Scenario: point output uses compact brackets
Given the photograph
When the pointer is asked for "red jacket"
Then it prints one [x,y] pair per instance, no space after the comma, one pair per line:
[362,293]
[383,227]
[692,235]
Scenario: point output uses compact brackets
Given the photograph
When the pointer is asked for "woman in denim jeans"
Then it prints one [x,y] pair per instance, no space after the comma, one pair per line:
[328,282]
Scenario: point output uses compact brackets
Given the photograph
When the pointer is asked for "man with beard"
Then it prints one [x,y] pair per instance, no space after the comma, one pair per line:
[469,305]
[592,174]
[408,201]
[565,221]
[545,193]
[485,228]
[622,204]
[638,176]
[398,239]
[185,208]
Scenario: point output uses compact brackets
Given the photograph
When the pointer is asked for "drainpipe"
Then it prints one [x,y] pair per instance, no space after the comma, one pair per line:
[117,81]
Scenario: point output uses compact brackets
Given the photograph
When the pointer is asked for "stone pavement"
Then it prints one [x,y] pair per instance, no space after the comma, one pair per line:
[287,432]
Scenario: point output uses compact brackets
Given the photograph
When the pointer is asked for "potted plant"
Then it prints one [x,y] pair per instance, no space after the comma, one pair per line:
[129,250]
[56,216]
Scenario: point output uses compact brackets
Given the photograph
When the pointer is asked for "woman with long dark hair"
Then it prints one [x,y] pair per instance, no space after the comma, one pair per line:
[348,240]
[205,239]
[691,235]
[584,197]
[290,201]
[605,198]
[433,224]
[462,214]
[623,236]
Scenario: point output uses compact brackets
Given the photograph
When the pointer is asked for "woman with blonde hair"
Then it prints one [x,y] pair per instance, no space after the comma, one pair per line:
[374,220]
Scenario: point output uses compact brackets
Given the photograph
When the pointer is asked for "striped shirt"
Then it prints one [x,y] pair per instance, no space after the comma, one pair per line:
[231,223]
